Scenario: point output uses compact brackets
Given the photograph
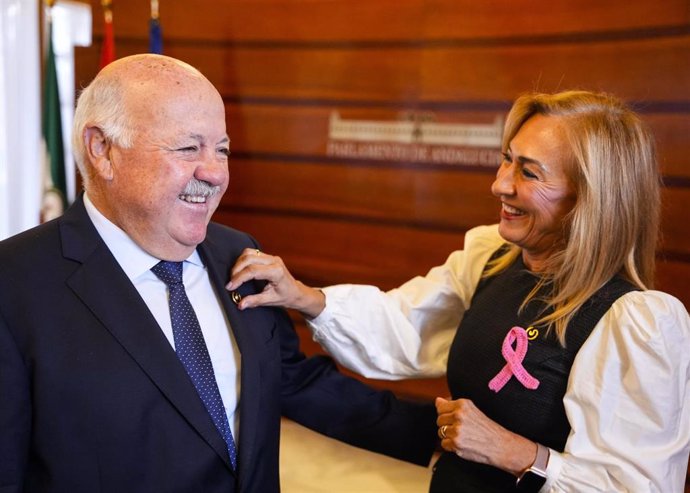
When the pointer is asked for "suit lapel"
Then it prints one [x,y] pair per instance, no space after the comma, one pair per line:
[241,324]
[102,286]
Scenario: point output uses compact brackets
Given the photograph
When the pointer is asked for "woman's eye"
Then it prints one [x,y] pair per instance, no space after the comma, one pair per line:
[528,174]
[225,151]
[506,157]
[188,149]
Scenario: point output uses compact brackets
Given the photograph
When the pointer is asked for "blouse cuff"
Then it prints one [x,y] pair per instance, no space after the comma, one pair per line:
[322,319]
[553,469]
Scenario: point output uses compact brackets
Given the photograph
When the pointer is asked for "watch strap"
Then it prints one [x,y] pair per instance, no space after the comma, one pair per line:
[534,476]
[541,461]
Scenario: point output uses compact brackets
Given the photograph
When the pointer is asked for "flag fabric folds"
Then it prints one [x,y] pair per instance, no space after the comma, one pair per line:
[108,47]
[155,32]
[52,124]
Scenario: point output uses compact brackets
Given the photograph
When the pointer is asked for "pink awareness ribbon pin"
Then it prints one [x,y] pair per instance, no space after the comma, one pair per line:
[514,360]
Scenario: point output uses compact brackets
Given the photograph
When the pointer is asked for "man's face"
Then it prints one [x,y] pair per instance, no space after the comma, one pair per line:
[180,138]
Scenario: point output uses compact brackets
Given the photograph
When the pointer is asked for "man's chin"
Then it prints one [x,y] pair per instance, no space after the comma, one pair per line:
[193,239]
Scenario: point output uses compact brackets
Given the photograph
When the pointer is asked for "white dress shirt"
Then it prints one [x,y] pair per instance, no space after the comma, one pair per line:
[628,395]
[222,348]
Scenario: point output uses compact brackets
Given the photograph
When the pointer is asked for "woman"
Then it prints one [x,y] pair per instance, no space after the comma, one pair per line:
[568,373]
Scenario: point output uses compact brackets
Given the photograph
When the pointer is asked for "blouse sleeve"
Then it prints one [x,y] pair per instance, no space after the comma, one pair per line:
[405,332]
[628,401]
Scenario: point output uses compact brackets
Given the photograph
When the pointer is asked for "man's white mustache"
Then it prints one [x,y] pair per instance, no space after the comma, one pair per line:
[200,188]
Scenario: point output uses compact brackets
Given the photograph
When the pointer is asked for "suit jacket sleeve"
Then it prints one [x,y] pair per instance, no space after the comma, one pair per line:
[15,413]
[316,395]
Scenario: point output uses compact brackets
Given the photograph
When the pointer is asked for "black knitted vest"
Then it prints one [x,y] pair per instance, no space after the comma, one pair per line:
[475,358]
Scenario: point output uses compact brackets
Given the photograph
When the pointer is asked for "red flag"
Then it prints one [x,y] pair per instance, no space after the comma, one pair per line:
[108,48]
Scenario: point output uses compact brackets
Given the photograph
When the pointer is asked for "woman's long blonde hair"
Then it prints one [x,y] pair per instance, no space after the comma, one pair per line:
[613,227]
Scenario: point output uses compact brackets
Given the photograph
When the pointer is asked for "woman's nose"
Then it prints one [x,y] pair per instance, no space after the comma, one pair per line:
[504,183]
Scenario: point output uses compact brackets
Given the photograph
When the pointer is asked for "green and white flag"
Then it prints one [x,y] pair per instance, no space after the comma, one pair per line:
[56,187]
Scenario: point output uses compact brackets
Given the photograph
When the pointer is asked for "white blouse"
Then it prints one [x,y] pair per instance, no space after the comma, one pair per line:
[628,395]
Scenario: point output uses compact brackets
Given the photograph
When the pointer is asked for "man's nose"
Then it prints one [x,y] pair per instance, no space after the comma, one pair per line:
[212,169]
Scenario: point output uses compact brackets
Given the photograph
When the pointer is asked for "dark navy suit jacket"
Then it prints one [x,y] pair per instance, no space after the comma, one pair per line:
[93,398]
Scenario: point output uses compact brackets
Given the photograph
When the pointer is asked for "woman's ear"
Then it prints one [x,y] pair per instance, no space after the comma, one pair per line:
[98,152]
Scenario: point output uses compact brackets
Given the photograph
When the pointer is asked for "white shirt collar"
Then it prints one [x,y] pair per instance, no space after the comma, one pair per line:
[133,259]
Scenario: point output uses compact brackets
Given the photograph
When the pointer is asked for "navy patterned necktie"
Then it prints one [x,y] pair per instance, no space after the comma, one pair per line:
[191,349]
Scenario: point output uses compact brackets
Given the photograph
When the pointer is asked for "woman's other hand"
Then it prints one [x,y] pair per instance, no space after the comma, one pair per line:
[281,288]
[470,434]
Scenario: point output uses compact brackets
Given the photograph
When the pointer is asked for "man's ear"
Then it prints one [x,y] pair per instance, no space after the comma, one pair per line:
[98,152]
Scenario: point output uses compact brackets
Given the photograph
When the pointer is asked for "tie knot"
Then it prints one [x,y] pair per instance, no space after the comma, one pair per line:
[168,272]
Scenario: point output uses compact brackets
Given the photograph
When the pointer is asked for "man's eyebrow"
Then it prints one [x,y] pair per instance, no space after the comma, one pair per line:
[200,138]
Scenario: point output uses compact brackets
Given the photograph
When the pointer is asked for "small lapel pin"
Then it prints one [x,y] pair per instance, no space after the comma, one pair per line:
[236,297]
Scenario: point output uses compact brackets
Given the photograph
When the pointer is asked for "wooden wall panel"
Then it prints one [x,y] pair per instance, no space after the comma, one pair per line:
[671,130]
[383,73]
[495,18]
[300,127]
[426,199]
[673,276]
[259,128]
[675,232]
[380,73]
[324,251]
[618,67]
[314,20]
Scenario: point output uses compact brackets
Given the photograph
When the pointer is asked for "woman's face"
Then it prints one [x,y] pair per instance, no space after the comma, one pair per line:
[535,190]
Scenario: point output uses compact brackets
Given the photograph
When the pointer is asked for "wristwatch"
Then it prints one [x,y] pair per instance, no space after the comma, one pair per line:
[533,478]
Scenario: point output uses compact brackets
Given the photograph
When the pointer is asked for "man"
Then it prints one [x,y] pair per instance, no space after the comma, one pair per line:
[117,376]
